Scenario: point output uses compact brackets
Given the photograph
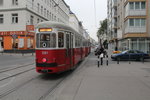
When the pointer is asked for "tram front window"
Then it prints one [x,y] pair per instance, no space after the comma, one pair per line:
[46,40]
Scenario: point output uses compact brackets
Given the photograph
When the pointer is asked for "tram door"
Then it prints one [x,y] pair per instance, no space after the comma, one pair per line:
[69,49]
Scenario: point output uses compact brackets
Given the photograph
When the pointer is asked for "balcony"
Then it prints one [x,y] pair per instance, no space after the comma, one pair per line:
[135,29]
[135,13]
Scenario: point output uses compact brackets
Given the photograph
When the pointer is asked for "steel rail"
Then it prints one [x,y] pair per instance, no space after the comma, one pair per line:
[9,69]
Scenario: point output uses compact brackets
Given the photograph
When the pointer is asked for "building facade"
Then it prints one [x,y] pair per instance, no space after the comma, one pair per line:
[112,23]
[133,20]
[19,17]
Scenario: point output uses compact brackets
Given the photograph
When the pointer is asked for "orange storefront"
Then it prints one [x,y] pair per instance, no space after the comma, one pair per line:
[21,40]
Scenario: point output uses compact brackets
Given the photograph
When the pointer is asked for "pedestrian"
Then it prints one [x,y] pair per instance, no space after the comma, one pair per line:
[100,52]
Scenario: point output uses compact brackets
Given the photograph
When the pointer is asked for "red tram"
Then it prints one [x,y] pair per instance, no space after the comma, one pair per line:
[59,47]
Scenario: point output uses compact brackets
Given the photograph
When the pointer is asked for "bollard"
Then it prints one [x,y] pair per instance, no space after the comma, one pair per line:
[129,59]
[142,58]
[107,60]
[98,61]
[22,54]
[101,58]
[101,61]
[117,60]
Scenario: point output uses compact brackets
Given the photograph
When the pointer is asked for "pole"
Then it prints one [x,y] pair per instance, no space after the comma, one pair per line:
[98,60]
[107,60]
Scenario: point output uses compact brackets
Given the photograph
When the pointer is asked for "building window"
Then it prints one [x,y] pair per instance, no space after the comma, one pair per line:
[38,7]
[137,5]
[14,2]
[131,4]
[131,22]
[50,16]
[137,22]
[1,2]
[41,9]
[38,20]
[143,5]
[14,18]
[143,22]
[32,4]
[45,12]
[31,20]
[1,18]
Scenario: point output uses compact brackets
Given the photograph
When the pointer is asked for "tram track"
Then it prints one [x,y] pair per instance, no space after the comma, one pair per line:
[16,88]
[59,80]
[17,74]
[2,70]
[51,90]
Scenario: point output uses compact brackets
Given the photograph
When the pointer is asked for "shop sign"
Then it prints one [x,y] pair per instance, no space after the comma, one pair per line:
[12,33]
[30,28]
[14,36]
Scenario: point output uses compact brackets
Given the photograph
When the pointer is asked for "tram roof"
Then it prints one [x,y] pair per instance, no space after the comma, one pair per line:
[51,24]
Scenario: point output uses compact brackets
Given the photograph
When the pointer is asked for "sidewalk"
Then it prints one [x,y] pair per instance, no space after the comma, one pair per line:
[114,82]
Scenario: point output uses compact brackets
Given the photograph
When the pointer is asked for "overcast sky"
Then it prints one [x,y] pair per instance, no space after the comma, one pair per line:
[84,10]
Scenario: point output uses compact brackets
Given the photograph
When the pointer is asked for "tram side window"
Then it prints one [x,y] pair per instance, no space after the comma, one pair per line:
[67,41]
[37,40]
[53,40]
[60,39]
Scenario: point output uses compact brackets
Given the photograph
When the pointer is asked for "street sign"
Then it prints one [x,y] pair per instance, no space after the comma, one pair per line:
[14,36]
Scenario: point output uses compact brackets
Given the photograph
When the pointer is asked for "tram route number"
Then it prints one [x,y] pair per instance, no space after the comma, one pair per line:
[44,52]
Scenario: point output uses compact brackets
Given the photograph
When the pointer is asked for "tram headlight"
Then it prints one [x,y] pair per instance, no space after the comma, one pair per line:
[44,60]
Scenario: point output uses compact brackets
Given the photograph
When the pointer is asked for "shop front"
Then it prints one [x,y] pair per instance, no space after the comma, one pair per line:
[19,40]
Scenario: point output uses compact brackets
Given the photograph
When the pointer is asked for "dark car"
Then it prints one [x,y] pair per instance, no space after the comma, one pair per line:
[130,55]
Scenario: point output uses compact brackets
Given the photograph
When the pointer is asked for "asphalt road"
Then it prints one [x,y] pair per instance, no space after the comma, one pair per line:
[13,60]
[87,82]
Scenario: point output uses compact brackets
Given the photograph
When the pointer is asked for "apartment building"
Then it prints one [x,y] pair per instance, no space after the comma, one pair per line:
[19,17]
[133,20]
[112,23]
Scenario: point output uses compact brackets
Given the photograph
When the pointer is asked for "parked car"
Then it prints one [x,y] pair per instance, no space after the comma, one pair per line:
[115,52]
[130,55]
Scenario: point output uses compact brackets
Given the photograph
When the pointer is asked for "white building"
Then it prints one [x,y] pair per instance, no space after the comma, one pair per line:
[20,16]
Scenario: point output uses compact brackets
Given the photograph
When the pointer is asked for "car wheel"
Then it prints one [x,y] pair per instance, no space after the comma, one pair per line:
[141,59]
[118,58]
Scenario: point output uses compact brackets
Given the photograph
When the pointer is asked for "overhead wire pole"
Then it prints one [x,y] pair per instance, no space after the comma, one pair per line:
[95,13]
